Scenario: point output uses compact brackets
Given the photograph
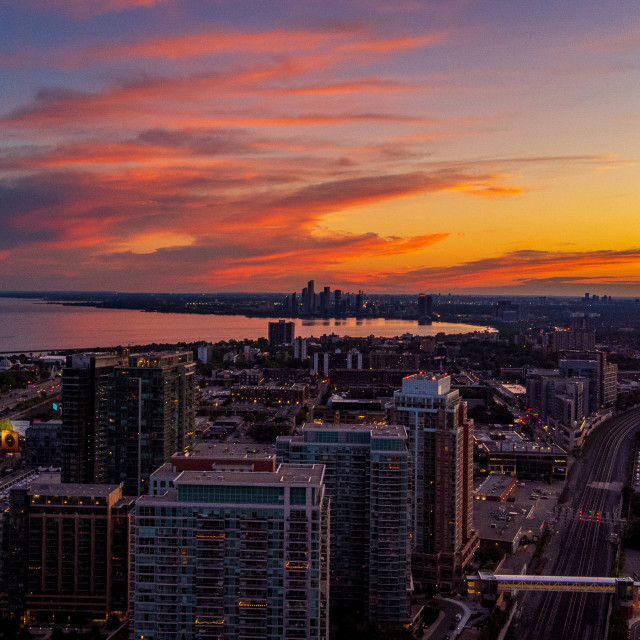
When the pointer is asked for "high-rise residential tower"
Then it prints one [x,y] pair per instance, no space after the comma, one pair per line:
[233,555]
[441,482]
[86,381]
[151,416]
[366,478]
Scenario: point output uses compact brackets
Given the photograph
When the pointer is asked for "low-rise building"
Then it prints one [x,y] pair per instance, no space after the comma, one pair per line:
[271,394]
[508,452]
[368,382]
[496,488]
[351,411]
[207,456]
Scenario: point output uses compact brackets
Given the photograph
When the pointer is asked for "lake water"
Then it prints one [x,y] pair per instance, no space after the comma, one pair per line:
[33,325]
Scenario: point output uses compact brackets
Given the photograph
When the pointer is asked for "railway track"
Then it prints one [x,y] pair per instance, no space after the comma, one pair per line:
[582,616]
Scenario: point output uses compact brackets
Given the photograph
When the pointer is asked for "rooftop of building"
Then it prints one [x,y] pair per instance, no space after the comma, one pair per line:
[307,474]
[99,358]
[335,399]
[43,486]
[428,376]
[228,420]
[513,441]
[516,389]
[160,359]
[426,384]
[376,430]
[495,485]
[164,470]
[272,384]
[228,450]
[160,354]
[29,477]
[87,353]
[532,507]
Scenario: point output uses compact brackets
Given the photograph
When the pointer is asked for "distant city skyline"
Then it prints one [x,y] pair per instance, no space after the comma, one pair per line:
[179,146]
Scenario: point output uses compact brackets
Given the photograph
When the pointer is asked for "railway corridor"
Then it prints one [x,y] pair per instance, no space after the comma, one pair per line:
[581,545]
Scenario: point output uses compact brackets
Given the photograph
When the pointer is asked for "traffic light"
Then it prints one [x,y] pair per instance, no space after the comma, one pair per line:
[9,441]
[580,514]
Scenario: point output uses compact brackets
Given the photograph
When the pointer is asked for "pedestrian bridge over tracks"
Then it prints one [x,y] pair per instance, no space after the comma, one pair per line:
[488,585]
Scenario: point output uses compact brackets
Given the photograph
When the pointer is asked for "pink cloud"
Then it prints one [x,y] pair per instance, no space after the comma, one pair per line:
[333,44]
[88,8]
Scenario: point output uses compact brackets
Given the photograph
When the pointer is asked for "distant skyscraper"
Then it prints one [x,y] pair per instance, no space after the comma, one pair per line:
[281,332]
[233,555]
[86,381]
[425,304]
[337,304]
[441,448]
[325,301]
[366,478]
[311,297]
[151,416]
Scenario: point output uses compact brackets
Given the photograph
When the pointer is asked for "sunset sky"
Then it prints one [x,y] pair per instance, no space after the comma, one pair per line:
[385,145]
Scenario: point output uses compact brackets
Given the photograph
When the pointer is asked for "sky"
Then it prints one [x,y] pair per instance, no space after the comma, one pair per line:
[474,147]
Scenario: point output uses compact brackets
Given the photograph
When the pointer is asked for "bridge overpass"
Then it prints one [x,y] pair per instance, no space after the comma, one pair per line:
[488,585]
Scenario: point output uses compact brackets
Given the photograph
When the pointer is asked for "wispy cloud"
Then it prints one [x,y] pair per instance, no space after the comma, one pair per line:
[348,41]
[89,8]
[521,268]
[147,145]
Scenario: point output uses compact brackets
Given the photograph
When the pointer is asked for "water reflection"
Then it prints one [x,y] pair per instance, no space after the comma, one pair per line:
[29,325]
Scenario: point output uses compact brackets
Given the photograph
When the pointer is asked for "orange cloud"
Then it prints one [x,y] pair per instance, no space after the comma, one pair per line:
[398,43]
[327,45]
[516,271]
[519,268]
[142,105]
[495,192]
[364,85]
[199,44]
